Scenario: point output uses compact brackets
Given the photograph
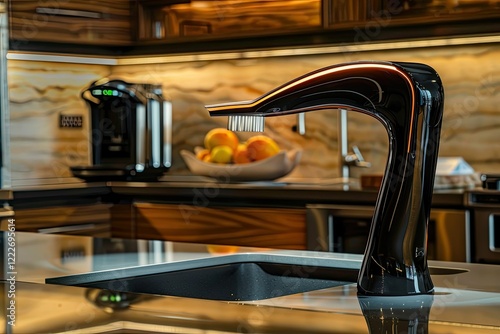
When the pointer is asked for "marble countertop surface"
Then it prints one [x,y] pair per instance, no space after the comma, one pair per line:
[466,300]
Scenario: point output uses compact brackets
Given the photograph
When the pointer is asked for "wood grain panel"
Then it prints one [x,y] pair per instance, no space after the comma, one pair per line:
[123,221]
[233,17]
[91,21]
[254,227]
[35,220]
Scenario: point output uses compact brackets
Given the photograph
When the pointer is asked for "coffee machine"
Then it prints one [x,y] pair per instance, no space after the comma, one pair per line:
[130,131]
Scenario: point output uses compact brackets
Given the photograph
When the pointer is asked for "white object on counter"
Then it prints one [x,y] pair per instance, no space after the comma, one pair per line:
[453,166]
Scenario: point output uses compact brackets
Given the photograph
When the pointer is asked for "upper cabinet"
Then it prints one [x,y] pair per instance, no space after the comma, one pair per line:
[138,27]
[177,20]
[238,24]
[98,22]
[378,14]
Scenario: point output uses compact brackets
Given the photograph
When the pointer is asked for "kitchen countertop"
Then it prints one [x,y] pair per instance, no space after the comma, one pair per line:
[280,192]
[466,302]
[283,192]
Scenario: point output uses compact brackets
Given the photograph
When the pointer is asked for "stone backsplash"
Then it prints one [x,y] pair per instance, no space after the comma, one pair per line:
[41,91]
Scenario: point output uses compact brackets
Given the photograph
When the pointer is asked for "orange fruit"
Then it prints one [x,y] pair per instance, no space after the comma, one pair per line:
[240,155]
[261,147]
[222,249]
[202,154]
[219,136]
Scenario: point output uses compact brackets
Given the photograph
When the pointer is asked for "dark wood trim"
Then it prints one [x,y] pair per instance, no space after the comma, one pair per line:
[342,35]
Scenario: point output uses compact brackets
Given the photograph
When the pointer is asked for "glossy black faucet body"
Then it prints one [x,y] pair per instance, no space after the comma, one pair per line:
[407,98]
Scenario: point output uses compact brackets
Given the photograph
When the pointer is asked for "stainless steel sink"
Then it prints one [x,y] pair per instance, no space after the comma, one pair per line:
[238,277]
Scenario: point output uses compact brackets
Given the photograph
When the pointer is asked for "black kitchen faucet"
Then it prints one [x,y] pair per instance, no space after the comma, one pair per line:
[407,98]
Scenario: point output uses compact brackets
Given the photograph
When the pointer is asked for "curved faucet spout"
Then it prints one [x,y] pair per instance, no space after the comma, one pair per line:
[407,98]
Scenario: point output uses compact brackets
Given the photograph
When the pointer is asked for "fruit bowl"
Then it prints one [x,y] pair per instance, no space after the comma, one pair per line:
[267,169]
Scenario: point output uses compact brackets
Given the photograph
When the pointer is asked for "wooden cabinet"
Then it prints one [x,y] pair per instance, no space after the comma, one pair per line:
[104,22]
[140,27]
[90,220]
[173,20]
[306,22]
[283,228]
[375,15]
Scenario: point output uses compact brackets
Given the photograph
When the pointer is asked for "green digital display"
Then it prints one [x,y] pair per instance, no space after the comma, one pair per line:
[115,298]
[106,92]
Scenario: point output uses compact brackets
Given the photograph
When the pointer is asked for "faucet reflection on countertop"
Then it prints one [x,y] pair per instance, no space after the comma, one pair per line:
[407,98]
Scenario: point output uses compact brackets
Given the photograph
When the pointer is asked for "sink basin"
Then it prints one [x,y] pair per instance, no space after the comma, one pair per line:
[238,277]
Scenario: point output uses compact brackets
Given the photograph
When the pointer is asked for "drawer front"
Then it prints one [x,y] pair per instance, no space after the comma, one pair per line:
[253,227]
[91,220]
[92,22]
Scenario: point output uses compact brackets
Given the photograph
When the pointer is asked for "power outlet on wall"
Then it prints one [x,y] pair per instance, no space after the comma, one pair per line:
[70,121]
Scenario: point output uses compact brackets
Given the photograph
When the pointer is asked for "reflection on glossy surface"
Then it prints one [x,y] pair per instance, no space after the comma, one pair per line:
[111,301]
[397,314]
[407,98]
[466,300]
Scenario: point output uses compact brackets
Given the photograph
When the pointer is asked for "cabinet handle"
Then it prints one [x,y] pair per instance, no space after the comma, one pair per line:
[494,233]
[66,229]
[69,12]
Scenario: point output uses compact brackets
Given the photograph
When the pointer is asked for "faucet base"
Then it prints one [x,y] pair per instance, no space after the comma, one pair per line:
[377,280]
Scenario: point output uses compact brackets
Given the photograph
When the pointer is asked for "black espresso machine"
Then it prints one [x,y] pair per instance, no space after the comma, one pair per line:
[130,131]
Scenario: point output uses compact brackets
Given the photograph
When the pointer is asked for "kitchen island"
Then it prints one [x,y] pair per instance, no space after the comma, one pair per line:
[197,209]
[466,299]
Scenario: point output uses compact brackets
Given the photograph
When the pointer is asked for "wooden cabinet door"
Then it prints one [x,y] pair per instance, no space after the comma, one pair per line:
[368,17]
[90,220]
[71,21]
[171,20]
[283,228]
